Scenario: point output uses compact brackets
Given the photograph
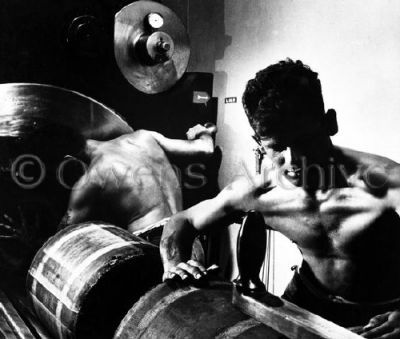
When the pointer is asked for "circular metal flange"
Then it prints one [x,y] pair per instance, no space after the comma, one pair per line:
[162,62]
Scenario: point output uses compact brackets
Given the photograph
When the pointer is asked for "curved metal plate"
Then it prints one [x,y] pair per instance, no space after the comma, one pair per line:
[129,26]
[24,107]
[44,123]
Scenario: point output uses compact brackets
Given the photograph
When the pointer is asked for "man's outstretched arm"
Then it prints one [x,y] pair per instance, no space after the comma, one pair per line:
[180,231]
[200,142]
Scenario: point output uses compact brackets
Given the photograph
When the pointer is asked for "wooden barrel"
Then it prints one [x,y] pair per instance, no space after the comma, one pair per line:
[86,277]
[190,312]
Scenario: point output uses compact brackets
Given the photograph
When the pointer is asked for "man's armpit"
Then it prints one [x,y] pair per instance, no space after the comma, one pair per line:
[66,220]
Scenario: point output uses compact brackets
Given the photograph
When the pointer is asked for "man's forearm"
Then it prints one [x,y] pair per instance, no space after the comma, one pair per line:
[203,146]
[177,240]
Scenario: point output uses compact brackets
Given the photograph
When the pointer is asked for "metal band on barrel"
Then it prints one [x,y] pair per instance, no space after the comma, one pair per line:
[156,225]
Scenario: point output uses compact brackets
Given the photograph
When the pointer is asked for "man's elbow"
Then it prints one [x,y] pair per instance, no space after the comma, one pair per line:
[179,227]
[209,150]
[179,221]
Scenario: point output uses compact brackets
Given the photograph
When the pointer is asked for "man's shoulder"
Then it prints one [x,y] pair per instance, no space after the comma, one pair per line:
[143,142]
[141,136]
[367,159]
[106,167]
[375,170]
[245,188]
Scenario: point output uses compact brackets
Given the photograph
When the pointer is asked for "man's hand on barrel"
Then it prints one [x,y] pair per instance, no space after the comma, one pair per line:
[188,270]
[383,326]
[176,248]
[191,271]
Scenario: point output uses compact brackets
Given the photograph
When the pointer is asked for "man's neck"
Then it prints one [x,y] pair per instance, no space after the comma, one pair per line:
[317,150]
[316,165]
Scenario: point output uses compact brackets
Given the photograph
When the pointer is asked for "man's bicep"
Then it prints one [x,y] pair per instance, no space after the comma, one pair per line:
[213,213]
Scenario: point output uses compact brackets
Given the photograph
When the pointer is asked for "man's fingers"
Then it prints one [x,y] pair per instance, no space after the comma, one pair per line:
[197,130]
[168,275]
[187,270]
[190,134]
[198,265]
[178,272]
[182,271]
[171,276]
[192,270]
[378,331]
[376,321]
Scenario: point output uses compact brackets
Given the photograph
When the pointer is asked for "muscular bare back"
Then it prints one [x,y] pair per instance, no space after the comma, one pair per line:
[130,181]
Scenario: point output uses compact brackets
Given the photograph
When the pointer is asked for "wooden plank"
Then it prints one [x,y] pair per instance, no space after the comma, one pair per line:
[11,324]
[292,321]
[20,301]
[6,331]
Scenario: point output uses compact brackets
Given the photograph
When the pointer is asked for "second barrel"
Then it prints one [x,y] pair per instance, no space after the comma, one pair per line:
[86,277]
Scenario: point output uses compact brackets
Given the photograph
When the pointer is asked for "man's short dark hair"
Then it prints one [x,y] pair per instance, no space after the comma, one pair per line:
[267,97]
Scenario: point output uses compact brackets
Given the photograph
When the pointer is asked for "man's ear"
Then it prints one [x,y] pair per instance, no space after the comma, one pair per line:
[330,122]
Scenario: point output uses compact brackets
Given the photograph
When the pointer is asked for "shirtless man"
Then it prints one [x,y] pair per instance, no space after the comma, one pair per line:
[338,205]
[130,181]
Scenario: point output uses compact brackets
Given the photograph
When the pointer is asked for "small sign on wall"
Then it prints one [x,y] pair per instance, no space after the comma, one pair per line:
[231,100]
[200,97]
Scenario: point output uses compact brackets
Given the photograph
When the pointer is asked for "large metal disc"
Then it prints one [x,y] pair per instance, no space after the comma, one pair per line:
[25,107]
[147,19]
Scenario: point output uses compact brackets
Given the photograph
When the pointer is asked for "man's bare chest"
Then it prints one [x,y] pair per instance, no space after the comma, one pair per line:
[333,220]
